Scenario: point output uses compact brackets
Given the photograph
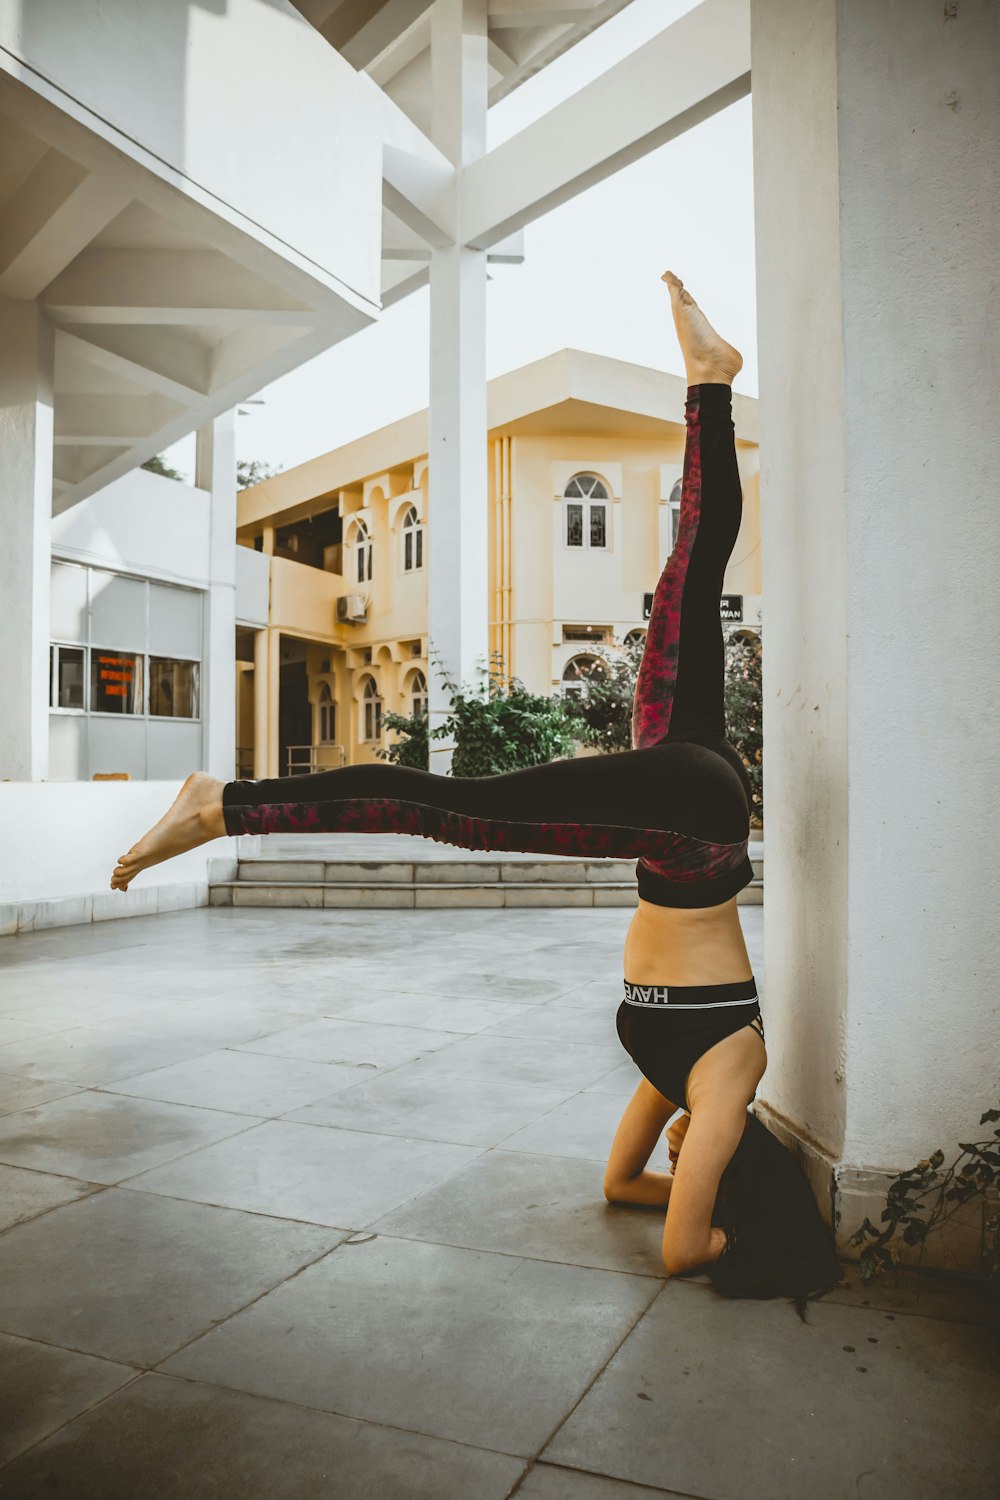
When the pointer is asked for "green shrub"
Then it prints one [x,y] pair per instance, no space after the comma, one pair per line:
[412,749]
[500,726]
[497,726]
[603,711]
[744,710]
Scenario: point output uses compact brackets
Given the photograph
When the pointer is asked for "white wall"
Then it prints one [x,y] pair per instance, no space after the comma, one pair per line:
[143,523]
[64,839]
[182,82]
[876,151]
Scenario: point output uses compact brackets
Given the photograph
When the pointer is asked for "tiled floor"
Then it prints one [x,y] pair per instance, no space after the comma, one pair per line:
[308,1203]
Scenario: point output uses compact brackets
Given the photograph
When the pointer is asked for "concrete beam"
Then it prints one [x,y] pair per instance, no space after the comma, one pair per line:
[108,286]
[54,214]
[693,69]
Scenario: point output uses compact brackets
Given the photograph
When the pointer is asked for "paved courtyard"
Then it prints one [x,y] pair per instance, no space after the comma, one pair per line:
[308,1203]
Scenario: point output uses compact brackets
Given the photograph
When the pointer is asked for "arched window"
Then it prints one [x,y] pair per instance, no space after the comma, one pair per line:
[372,711]
[579,672]
[418,695]
[327,715]
[675,512]
[586,499]
[413,541]
[635,638]
[362,553]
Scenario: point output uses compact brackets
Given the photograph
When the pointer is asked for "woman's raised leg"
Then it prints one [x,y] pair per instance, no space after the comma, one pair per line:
[679,692]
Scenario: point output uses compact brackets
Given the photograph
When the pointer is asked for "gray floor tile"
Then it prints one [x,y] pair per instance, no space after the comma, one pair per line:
[244,1082]
[622,1081]
[23,1093]
[355,1042]
[166,1439]
[567,1066]
[485,1349]
[89,1057]
[25,1195]
[408,1102]
[546,1482]
[325,1176]
[848,1404]
[409,1008]
[41,1388]
[908,1293]
[132,1277]
[106,1137]
[20,1028]
[554,1023]
[583,1126]
[538,1206]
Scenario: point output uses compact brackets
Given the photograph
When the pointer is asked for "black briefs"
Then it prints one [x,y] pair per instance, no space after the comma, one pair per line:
[666,1028]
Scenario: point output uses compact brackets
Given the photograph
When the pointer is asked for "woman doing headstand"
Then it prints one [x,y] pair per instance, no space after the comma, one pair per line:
[678,802]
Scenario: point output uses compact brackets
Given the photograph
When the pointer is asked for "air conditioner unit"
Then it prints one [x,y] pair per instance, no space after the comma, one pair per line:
[352,609]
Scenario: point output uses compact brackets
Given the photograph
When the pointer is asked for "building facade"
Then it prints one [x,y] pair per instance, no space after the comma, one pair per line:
[585,457]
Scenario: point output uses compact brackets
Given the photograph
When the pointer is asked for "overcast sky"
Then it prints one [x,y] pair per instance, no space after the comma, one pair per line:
[590,279]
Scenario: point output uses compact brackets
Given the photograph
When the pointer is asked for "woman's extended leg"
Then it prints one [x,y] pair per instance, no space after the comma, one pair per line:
[679,693]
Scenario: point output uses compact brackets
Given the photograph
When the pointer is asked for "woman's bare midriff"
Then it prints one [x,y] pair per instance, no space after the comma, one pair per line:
[674,945]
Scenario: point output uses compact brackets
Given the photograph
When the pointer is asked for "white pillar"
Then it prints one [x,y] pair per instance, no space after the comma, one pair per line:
[26,359]
[877,225]
[457,534]
[215,471]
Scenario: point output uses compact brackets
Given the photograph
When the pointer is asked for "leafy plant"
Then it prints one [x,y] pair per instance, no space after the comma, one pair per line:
[744,694]
[413,748]
[158,465]
[924,1198]
[603,711]
[250,471]
[500,726]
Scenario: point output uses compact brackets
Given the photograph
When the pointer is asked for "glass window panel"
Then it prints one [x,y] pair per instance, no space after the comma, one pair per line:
[115,682]
[67,676]
[118,610]
[420,547]
[408,551]
[173,688]
[361,564]
[369,550]
[598,514]
[175,622]
[574,525]
[675,524]
[68,603]
[573,490]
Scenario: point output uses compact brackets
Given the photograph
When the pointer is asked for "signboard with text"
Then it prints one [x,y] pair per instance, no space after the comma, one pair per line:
[730,607]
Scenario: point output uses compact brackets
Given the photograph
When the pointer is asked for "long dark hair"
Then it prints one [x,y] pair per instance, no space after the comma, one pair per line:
[777,1244]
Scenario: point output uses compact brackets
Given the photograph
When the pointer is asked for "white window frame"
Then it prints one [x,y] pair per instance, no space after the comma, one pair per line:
[363,550]
[577,686]
[413,541]
[419,695]
[326,717]
[588,503]
[371,712]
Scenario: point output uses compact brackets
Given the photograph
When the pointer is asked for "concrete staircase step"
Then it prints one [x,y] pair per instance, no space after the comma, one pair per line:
[397,894]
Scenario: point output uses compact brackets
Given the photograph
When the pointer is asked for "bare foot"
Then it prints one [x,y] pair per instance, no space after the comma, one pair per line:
[707,357]
[195,818]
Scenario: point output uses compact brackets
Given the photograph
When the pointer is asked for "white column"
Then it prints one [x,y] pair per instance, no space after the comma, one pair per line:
[216,472]
[879,385]
[457,533]
[26,359]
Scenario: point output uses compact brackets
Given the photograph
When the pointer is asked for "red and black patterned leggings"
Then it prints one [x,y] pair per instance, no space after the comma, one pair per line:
[678,801]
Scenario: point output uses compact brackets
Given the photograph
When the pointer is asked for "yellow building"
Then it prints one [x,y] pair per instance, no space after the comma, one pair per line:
[585,460]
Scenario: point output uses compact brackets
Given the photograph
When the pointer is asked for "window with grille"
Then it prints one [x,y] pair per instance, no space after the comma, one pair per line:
[586,500]
[413,541]
[372,704]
